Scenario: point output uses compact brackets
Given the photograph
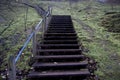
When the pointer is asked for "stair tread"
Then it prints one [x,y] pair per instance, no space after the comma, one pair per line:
[61,40]
[63,36]
[60,33]
[59,45]
[58,50]
[60,73]
[58,56]
[58,64]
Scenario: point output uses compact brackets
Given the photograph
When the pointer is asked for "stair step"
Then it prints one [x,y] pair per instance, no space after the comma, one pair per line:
[59,46]
[59,57]
[61,26]
[60,38]
[60,21]
[59,74]
[58,29]
[60,34]
[60,42]
[63,31]
[59,64]
[41,66]
[59,50]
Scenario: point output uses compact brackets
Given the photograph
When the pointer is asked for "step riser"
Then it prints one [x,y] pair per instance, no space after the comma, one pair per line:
[77,77]
[59,47]
[60,31]
[58,53]
[61,78]
[60,57]
[61,26]
[60,42]
[60,38]
[61,60]
[61,22]
[55,35]
[60,68]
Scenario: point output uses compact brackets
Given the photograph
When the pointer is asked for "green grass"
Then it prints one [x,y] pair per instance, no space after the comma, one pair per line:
[19,28]
[106,51]
[103,46]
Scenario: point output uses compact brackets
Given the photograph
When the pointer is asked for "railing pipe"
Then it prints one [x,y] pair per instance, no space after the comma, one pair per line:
[25,45]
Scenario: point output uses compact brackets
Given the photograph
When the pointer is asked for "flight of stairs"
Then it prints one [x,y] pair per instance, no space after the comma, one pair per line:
[59,56]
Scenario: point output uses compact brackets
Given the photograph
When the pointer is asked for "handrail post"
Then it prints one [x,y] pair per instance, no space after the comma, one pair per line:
[47,18]
[12,68]
[43,26]
[34,42]
[45,23]
[50,11]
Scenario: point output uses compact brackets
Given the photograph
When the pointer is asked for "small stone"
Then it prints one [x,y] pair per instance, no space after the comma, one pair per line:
[55,63]
[3,77]
[119,64]
[31,68]
[44,72]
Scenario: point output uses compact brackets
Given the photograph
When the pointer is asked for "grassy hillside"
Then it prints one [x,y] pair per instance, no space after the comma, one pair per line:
[99,44]
[12,39]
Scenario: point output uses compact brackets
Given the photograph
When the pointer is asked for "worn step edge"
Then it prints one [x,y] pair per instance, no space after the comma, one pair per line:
[60,64]
[58,50]
[56,74]
[59,56]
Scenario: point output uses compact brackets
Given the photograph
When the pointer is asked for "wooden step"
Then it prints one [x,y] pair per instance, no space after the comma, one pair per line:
[61,26]
[58,46]
[59,57]
[59,64]
[64,31]
[60,34]
[70,29]
[59,74]
[59,50]
[60,41]
[60,37]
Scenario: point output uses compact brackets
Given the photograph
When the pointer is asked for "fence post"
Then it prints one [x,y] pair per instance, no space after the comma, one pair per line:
[12,68]
[34,42]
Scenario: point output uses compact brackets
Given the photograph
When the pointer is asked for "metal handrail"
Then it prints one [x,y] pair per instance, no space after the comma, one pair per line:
[13,60]
[28,40]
